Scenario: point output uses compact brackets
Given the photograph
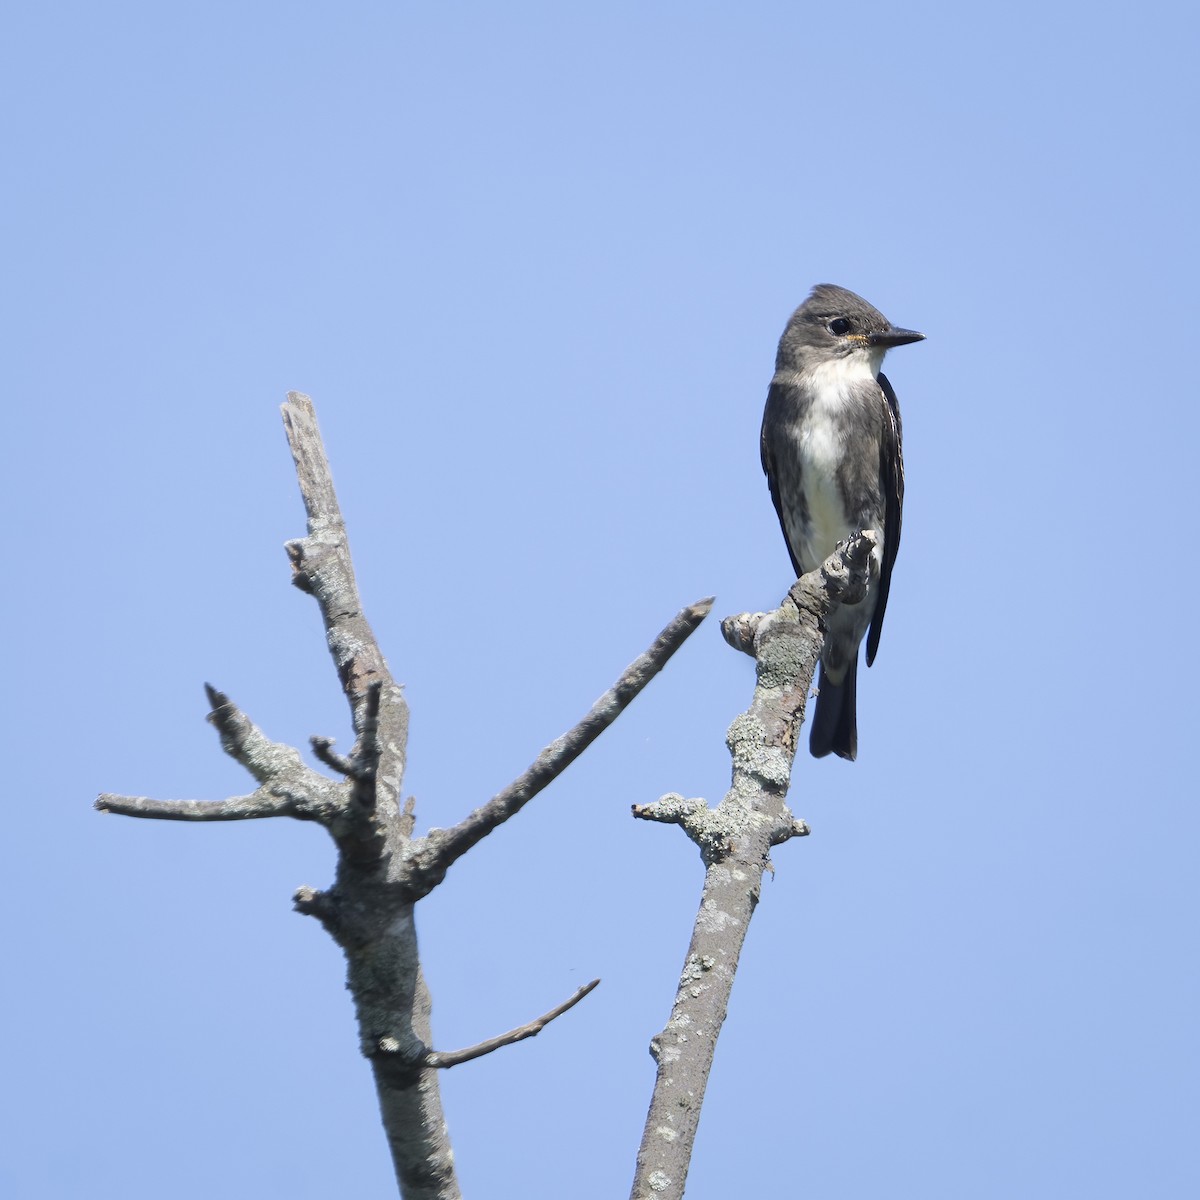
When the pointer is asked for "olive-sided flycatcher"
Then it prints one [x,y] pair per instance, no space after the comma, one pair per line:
[831,451]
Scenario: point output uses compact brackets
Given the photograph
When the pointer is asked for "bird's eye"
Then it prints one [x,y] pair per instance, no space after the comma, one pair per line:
[839,325]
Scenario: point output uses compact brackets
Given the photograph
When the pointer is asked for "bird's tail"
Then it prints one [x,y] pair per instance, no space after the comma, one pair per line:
[835,722]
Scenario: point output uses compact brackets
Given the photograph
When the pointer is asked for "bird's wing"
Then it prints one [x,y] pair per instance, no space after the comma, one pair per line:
[891,473]
[772,473]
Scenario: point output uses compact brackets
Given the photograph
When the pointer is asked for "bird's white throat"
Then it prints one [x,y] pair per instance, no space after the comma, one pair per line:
[832,378]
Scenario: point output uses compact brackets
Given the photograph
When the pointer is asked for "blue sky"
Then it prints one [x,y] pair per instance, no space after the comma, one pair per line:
[532,264]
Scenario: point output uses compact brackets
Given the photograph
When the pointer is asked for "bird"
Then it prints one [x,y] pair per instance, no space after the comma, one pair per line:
[832,453]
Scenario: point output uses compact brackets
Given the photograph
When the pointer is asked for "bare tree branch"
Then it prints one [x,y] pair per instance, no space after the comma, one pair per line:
[381,871]
[246,744]
[321,561]
[735,840]
[260,803]
[289,788]
[370,830]
[433,857]
[452,1058]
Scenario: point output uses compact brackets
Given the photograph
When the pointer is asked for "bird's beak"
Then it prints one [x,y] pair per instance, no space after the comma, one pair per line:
[895,337]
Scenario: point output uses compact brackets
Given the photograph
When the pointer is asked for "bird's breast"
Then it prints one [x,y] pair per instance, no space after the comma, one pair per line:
[835,448]
[820,449]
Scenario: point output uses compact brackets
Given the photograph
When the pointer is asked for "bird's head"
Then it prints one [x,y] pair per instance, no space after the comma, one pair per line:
[835,324]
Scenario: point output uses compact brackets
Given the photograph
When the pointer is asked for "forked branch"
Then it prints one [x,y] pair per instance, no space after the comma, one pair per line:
[382,870]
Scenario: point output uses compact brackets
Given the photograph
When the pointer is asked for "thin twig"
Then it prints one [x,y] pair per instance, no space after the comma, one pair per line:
[452,1058]
[442,848]
[323,751]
